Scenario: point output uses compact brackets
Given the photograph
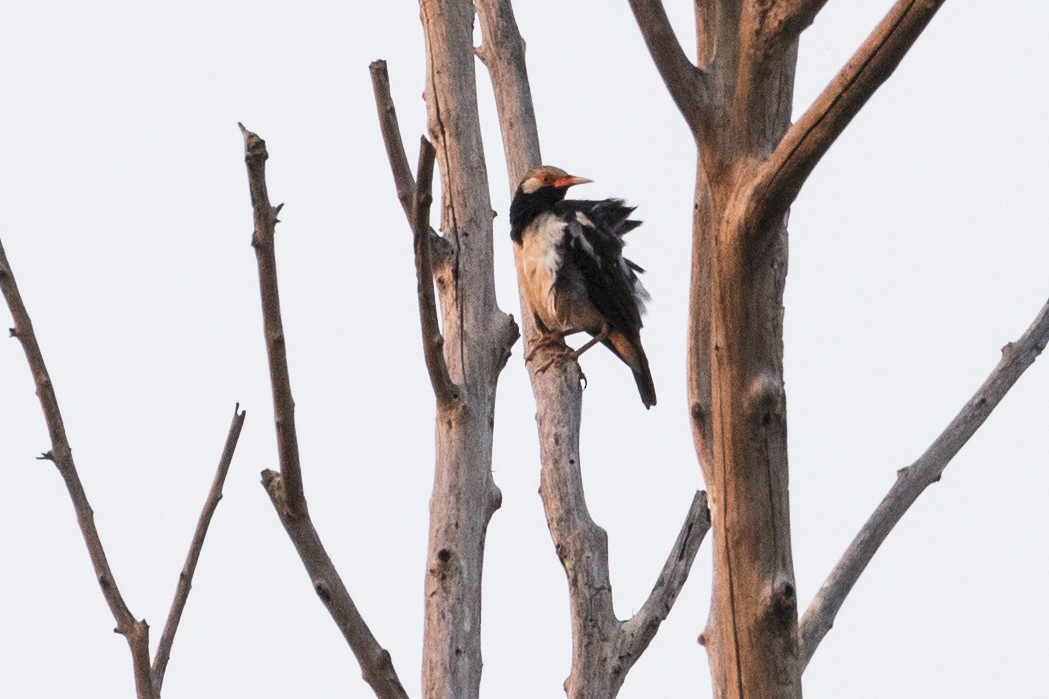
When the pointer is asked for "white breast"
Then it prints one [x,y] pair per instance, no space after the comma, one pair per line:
[539,258]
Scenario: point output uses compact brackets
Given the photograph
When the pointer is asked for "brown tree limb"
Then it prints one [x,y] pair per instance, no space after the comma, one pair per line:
[641,628]
[185,578]
[780,178]
[391,137]
[262,239]
[136,632]
[685,82]
[402,173]
[375,661]
[285,488]
[914,479]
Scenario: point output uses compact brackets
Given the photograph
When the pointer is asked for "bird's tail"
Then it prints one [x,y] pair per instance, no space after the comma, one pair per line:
[633,355]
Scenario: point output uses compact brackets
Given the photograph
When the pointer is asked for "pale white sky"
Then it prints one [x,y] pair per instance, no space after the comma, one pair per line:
[918,249]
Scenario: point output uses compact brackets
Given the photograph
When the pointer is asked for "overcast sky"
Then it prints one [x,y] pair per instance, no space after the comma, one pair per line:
[918,249]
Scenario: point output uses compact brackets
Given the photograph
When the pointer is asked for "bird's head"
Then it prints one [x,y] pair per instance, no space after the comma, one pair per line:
[548,182]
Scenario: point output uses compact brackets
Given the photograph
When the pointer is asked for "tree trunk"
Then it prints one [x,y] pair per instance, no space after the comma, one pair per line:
[477,340]
[736,383]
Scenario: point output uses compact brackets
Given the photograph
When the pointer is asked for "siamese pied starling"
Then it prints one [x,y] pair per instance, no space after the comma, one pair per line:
[572,271]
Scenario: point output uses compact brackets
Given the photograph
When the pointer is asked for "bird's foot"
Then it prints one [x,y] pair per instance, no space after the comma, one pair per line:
[559,353]
[545,340]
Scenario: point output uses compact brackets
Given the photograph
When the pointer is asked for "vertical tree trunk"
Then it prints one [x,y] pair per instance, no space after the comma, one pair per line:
[477,340]
[736,382]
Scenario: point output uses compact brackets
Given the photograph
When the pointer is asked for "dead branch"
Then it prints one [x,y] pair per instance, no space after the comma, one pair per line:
[285,489]
[185,578]
[685,82]
[781,177]
[502,51]
[265,216]
[447,393]
[913,480]
[639,630]
[440,249]
[375,661]
[416,196]
[61,455]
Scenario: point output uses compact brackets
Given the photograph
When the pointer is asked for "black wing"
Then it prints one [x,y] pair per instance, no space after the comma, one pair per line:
[594,247]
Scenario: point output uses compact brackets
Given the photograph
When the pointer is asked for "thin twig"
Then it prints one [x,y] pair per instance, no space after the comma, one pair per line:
[445,390]
[262,240]
[135,631]
[781,177]
[685,81]
[376,665]
[185,578]
[913,480]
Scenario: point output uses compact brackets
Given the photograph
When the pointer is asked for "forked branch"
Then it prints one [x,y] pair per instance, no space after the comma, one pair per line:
[913,480]
[148,681]
[781,177]
[285,488]
[135,631]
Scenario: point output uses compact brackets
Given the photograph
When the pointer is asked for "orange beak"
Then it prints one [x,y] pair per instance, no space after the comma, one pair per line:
[566,182]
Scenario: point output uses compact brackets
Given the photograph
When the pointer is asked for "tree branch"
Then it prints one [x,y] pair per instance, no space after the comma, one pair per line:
[913,480]
[781,177]
[415,198]
[639,631]
[685,82]
[135,631]
[262,240]
[447,393]
[603,648]
[502,51]
[391,136]
[185,578]
[402,173]
[375,661]
[285,488]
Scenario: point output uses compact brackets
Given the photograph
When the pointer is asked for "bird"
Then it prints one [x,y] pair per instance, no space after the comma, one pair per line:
[572,272]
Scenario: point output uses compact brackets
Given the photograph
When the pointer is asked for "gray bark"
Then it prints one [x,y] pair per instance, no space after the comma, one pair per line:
[477,340]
